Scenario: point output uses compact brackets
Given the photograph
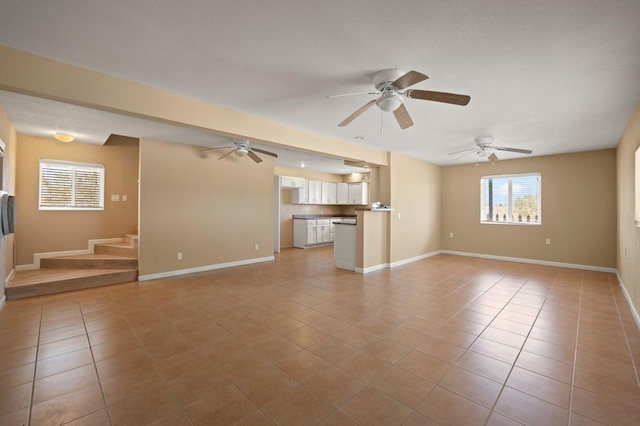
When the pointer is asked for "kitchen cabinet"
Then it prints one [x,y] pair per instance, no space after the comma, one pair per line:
[329,192]
[342,196]
[290,182]
[358,193]
[315,192]
[304,233]
[322,231]
[301,196]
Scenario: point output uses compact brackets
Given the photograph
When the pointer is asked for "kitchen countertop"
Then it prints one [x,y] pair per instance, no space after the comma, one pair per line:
[321,216]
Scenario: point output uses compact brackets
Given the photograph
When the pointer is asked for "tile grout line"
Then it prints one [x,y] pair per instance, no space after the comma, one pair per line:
[95,366]
[626,336]
[513,365]
[575,351]
[35,368]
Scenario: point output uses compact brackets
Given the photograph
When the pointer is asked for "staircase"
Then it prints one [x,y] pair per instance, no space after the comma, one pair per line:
[109,264]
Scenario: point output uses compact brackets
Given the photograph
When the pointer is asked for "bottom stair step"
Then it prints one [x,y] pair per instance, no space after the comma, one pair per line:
[49,281]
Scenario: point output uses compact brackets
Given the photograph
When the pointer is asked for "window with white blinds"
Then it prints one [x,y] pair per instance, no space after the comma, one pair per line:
[514,199]
[66,185]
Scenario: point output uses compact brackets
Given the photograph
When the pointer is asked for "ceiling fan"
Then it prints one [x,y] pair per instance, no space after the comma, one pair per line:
[485,149]
[241,149]
[390,87]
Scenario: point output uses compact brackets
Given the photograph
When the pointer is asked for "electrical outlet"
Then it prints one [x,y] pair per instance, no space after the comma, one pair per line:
[257,247]
[450,234]
[547,241]
[179,256]
[398,215]
[124,198]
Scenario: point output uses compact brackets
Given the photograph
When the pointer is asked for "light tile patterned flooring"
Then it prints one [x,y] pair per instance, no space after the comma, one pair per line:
[446,340]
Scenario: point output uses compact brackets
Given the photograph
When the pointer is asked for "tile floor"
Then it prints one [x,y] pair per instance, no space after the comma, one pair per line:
[446,340]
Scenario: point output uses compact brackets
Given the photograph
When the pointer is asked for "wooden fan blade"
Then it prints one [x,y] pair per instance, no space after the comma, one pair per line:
[402,115]
[448,98]
[358,112]
[409,79]
[253,156]
[521,151]
[228,153]
[262,151]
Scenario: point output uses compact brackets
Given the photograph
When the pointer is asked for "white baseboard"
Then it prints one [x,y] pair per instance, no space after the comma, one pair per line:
[531,261]
[89,250]
[414,259]
[634,312]
[204,268]
[372,268]
[2,300]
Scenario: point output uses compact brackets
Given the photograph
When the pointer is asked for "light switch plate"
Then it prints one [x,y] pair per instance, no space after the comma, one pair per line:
[115,197]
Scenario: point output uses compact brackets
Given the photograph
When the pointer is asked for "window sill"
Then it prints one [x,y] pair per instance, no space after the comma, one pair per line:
[512,223]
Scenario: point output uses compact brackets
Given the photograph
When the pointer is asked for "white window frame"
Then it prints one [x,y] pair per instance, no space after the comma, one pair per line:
[510,178]
[74,166]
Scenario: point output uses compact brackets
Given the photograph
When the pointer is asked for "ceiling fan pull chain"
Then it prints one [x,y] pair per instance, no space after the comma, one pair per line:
[381,118]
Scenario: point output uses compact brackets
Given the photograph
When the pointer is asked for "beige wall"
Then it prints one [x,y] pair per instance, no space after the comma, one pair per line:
[372,239]
[211,211]
[578,210]
[8,136]
[50,231]
[628,233]
[415,196]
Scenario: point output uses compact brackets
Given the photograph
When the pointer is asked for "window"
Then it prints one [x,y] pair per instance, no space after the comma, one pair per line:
[67,185]
[511,199]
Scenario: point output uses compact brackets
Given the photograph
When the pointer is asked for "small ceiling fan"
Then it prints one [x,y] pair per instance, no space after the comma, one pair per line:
[485,149]
[390,87]
[241,149]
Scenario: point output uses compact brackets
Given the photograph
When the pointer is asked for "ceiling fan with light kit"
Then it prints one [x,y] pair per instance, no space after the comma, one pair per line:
[242,149]
[485,149]
[392,87]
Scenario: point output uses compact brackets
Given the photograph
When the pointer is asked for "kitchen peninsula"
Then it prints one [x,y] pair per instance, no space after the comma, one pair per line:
[363,247]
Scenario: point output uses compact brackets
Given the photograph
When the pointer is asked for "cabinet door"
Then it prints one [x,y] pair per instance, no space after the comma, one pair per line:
[301,195]
[329,192]
[315,192]
[311,235]
[358,193]
[291,182]
[343,193]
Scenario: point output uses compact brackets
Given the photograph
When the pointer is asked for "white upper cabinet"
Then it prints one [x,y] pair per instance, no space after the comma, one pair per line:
[291,182]
[315,192]
[359,193]
[343,193]
[329,193]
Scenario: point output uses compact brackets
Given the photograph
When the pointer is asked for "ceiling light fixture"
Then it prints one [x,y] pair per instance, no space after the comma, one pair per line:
[302,165]
[389,102]
[63,137]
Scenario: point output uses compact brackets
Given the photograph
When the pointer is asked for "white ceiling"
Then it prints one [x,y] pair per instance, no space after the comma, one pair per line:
[552,76]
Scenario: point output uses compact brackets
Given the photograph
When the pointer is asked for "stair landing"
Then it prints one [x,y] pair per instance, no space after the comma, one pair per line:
[110,264]
[49,281]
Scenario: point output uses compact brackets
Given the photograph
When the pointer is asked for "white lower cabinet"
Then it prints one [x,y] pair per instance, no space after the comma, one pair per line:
[322,231]
[304,233]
